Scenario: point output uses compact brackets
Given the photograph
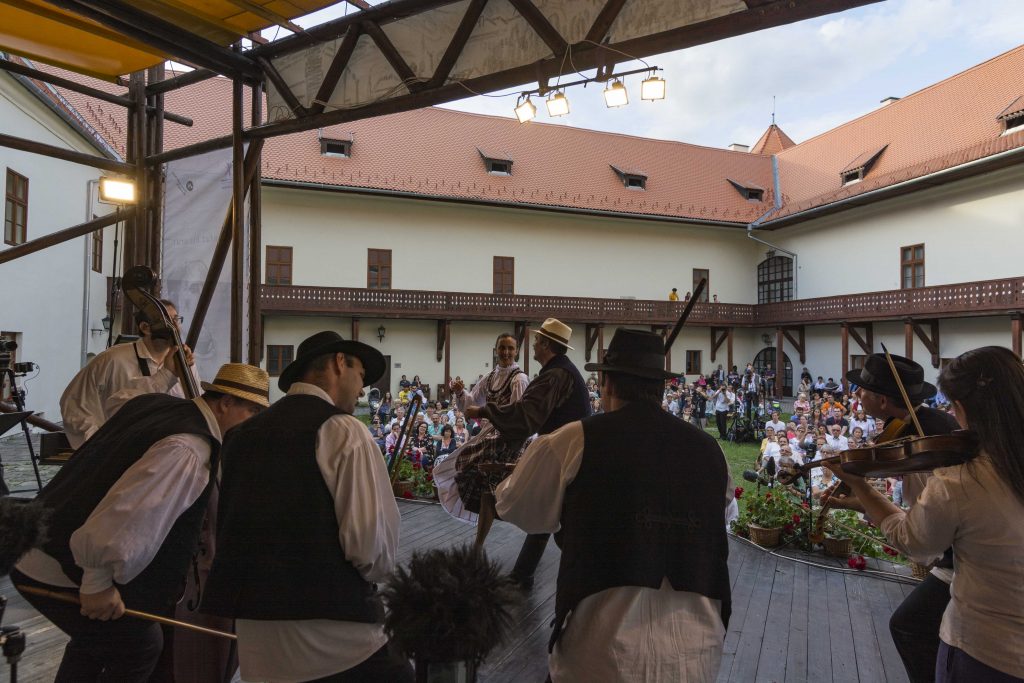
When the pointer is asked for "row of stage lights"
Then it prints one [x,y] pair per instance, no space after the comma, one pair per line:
[615,95]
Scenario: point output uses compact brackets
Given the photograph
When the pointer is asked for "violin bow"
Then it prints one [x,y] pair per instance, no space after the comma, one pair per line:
[697,291]
[903,392]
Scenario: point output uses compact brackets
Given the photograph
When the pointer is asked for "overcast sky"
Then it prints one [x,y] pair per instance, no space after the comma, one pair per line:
[822,72]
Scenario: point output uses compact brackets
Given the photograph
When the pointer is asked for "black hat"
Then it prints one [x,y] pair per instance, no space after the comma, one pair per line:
[331,342]
[635,352]
[876,376]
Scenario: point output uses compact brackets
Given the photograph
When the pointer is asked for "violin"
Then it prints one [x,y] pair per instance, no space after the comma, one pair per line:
[896,453]
[135,284]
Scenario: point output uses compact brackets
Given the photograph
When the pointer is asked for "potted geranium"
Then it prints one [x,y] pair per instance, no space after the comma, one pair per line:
[766,516]
[404,481]
[838,539]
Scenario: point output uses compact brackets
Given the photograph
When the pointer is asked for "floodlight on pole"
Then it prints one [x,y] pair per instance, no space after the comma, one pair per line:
[615,94]
[525,110]
[117,191]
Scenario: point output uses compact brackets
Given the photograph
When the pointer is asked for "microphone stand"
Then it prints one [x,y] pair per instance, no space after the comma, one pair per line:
[12,642]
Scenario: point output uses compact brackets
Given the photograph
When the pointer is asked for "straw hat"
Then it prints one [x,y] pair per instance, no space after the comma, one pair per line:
[241,381]
[555,330]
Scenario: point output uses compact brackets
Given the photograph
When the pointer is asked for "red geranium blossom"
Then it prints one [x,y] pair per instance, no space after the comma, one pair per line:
[857,562]
[796,518]
[788,528]
[738,493]
[406,494]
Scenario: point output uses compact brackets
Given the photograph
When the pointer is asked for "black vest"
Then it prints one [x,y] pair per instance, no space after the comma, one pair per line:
[576,407]
[278,554]
[648,503]
[95,467]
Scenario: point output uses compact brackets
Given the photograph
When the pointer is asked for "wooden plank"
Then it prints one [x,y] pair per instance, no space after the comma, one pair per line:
[840,640]
[865,642]
[819,652]
[796,653]
[880,605]
[741,592]
[744,667]
[771,663]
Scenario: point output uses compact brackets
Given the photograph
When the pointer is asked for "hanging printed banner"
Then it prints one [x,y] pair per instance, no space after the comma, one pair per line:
[196,200]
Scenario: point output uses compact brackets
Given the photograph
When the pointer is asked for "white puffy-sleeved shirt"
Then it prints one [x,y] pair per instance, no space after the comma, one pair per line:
[973,509]
[110,380]
[368,521]
[628,634]
[126,529]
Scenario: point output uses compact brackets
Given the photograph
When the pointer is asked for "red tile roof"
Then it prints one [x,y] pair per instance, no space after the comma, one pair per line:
[772,141]
[434,153]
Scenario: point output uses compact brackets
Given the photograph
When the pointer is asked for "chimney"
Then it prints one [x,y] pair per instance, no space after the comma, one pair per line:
[889,100]
[737,147]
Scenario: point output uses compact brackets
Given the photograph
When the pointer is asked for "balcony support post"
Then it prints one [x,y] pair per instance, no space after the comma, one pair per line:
[908,338]
[355,328]
[780,360]
[930,341]
[1015,333]
[845,342]
[591,333]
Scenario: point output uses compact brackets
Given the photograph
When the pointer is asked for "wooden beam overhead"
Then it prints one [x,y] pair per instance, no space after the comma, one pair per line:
[599,29]
[539,23]
[395,59]
[274,76]
[457,44]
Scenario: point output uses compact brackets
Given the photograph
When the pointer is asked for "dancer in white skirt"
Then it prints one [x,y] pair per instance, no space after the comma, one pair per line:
[504,385]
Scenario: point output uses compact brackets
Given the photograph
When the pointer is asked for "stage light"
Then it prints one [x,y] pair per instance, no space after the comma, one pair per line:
[615,95]
[117,191]
[652,88]
[525,111]
[558,104]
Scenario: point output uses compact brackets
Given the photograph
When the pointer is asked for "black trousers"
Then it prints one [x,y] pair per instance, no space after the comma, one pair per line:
[722,419]
[386,665]
[122,650]
[529,556]
[915,628]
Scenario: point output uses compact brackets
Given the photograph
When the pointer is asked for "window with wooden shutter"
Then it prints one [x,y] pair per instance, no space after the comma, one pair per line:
[378,269]
[504,274]
[278,358]
[16,209]
[912,266]
[279,266]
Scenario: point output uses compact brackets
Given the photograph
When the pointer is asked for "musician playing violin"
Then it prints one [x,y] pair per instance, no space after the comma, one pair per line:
[121,373]
[915,623]
[977,507]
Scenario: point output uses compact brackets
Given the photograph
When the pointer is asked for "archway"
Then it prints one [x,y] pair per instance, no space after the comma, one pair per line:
[766,356]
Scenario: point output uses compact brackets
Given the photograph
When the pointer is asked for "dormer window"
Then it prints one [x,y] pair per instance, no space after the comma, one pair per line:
[634,180]
[332,147]
[1013,116]
[496,163]
[859,167]
[749,191]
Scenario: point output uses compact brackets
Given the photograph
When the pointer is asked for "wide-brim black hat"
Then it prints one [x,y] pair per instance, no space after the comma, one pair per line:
[635,352]
[331,342]
[876,376]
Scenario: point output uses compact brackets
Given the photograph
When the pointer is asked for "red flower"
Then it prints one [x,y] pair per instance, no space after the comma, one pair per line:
[890,551]
[738,493]
[767,496]
[805,506]
[430,477]
[857,562]
[796,518]
[406,494]
[416,466]
[788,528]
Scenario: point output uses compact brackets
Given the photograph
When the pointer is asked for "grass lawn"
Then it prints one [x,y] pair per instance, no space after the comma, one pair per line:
[740,456]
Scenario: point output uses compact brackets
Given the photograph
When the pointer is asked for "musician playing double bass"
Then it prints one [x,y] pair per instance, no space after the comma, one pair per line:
[915,623]
[119,374]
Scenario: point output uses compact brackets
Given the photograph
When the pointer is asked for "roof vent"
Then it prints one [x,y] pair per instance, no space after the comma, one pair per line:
[859,167]
[634,180]
[1013,116]
[335,146]
[748,191]
[889,100]
[738,147]
[496,163]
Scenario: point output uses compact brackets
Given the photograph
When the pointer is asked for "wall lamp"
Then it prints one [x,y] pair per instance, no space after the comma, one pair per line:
[381,332]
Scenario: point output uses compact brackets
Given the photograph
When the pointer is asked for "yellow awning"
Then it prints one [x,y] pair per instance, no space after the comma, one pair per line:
[44,32]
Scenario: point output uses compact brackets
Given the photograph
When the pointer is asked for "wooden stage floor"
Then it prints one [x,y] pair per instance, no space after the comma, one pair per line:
[790,622]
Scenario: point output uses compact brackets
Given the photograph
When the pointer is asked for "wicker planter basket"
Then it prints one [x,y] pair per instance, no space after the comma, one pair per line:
[400,488]
[838,547]
[766,538]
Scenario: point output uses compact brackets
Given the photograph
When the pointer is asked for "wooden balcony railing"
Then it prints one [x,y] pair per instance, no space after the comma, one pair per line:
[990,297]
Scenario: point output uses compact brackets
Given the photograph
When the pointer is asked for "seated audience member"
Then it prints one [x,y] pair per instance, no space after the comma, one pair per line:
[819,384]
[856,439]
[392,438]
[836,418]
[801,405]
[447,443]
[377,431]
[461,431]
[422,446]
[836,441]
[866,424]
[776,423]
[787,463]
[769,437]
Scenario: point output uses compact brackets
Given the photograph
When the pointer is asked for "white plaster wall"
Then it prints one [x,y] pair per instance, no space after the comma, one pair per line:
[43,293]
[972,230]
[446,246]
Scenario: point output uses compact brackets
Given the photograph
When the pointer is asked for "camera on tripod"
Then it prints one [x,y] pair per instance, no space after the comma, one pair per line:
[7,349]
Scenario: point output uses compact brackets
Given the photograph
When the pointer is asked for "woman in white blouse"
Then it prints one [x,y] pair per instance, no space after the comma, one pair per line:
[977,508]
